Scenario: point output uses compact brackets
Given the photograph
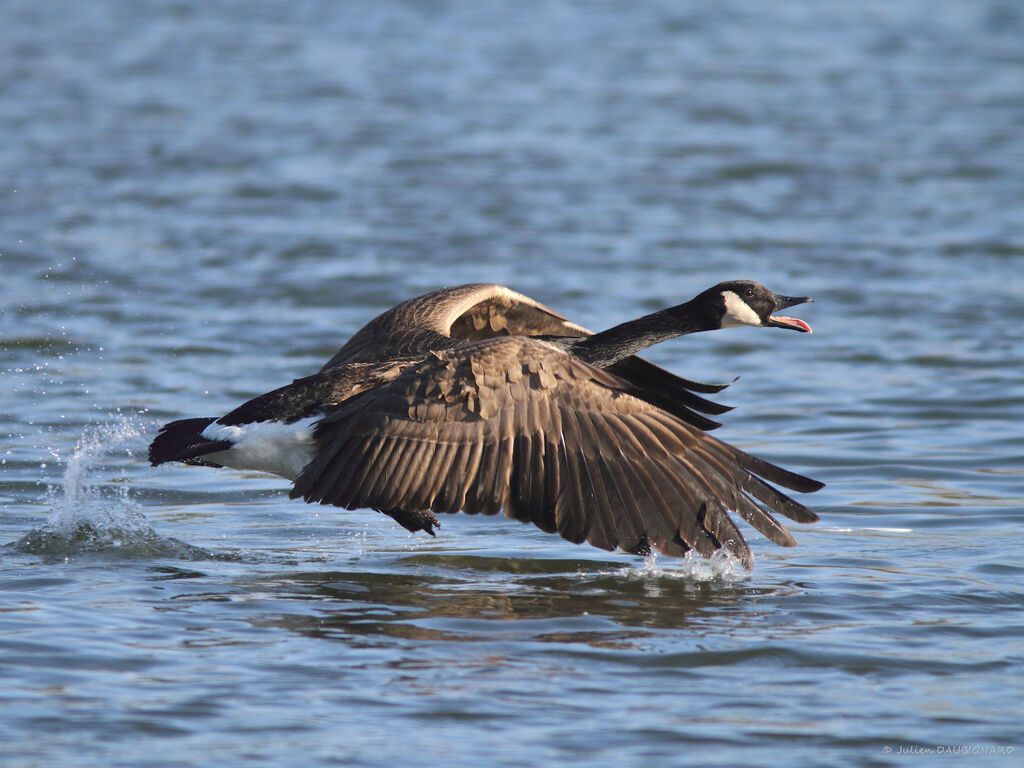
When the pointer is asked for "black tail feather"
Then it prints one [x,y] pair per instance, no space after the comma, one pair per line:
[183,441]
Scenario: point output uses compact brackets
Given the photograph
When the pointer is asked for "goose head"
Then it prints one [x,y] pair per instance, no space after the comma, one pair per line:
[744,302]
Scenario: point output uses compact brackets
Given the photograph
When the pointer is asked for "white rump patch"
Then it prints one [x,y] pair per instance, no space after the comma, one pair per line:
[266,446]
[738,312]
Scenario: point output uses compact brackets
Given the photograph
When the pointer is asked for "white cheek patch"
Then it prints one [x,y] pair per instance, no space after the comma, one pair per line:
[267,446]
[738,312]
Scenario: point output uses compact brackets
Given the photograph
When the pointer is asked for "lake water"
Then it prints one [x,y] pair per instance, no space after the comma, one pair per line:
[202,201]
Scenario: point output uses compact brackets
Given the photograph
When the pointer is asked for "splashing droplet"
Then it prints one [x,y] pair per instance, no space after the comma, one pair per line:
[88,516]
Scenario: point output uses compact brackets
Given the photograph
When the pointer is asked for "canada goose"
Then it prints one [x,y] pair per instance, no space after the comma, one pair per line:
[480,399]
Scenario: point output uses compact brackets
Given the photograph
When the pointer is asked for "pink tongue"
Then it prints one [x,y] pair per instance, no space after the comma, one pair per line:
[792,321]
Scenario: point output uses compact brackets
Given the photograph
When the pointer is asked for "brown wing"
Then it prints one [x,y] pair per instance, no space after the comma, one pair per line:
[463,313]
[514,424]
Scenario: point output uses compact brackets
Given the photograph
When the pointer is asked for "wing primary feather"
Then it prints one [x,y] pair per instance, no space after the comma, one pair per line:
[688,519]
[490,482]
[683,519]
[553,479]
[776,474]
[405,474]
[630,527]
[683,471]
[655,508]
[653,376]
[603,530]
[716,521]
[468,480]
[727,484]
[600,531]
[385,493]
[777,501]
[450,494]
[317,478]
[375,481]
[341,476]
[416,472]
[723,489]
[570,513]
[537,476]
[471,481]
[435,473]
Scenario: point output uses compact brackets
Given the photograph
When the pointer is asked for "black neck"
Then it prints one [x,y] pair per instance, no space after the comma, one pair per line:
[609,347]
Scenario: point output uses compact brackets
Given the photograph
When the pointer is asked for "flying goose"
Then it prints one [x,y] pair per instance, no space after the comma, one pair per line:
[481,399]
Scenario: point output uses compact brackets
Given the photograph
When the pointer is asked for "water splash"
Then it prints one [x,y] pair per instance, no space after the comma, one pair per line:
[100,517]
[722,567]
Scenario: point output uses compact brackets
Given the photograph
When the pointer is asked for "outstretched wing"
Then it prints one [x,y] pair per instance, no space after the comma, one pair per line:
[515,424]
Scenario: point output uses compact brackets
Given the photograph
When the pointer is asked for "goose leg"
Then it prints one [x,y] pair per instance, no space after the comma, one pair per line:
[418,520]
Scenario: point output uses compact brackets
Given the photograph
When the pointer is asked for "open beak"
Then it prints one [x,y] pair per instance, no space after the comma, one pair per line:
[785,302]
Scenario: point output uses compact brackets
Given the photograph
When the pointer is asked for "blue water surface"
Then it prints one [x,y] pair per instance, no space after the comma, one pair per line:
[201,201]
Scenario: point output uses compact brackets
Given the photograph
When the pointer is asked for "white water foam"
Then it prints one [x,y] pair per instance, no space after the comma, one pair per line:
[722,567]
[79,499]
[92,516]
